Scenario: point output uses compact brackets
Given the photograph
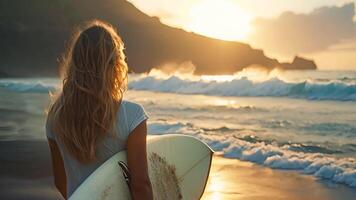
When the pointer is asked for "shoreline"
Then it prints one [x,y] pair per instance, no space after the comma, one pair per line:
[26,173]
[242,180]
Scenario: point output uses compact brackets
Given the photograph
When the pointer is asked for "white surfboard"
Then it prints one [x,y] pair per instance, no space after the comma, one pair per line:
[178,165]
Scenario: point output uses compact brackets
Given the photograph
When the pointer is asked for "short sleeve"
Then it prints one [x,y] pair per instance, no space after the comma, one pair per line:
[136,114]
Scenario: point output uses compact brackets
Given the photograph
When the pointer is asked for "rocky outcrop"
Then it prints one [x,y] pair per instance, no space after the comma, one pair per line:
[299,63]
[33,35]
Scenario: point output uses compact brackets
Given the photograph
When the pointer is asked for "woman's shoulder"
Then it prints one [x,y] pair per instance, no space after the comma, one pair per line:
[132,109]
[133,112]
[131,106]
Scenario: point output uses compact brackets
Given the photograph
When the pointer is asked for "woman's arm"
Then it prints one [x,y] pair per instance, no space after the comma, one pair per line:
[60,179]
[137,162]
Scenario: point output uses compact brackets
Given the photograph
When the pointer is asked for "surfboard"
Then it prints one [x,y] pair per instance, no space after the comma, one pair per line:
[178,166]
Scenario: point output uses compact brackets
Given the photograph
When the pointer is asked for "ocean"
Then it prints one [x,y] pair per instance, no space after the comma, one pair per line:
[293,120]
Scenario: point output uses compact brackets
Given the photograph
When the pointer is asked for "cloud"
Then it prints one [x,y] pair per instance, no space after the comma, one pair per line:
[292,33]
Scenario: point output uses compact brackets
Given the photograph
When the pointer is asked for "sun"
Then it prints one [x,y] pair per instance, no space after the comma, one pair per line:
[220,19]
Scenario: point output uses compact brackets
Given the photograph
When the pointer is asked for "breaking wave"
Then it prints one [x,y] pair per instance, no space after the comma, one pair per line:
[29,85]
[234,85]
[274,87]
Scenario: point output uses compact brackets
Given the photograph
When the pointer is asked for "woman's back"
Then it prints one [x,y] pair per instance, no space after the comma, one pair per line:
[129,116]
[88,121]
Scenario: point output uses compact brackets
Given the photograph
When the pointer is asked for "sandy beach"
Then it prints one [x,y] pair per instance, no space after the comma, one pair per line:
[25,173]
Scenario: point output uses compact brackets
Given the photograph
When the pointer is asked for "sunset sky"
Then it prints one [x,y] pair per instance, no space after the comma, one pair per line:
[324,30]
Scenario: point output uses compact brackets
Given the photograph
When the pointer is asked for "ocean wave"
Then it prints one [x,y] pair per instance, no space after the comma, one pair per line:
[321,165]
[158,128]
[273,87]
[332,128]
[28,85]
[308,159]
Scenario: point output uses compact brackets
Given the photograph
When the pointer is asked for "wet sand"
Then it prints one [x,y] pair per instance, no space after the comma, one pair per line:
[26,173]
[238,180]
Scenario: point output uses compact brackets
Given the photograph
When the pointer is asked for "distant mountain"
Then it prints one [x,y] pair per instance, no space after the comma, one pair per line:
[33,35]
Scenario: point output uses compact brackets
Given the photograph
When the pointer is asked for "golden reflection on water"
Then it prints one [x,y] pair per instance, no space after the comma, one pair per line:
[215,187]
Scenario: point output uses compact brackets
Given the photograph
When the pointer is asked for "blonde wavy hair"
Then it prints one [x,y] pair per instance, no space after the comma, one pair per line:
[94,80]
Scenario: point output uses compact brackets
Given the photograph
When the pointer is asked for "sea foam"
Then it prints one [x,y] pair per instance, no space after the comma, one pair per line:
[323,166]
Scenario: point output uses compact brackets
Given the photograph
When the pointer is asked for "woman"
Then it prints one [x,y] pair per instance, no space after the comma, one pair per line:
[89,122]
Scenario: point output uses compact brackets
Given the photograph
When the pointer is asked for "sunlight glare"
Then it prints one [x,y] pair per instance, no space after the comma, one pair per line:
[253,74]
[221,19]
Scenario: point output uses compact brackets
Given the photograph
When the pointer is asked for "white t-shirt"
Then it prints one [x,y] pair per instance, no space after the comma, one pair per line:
[130,115]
